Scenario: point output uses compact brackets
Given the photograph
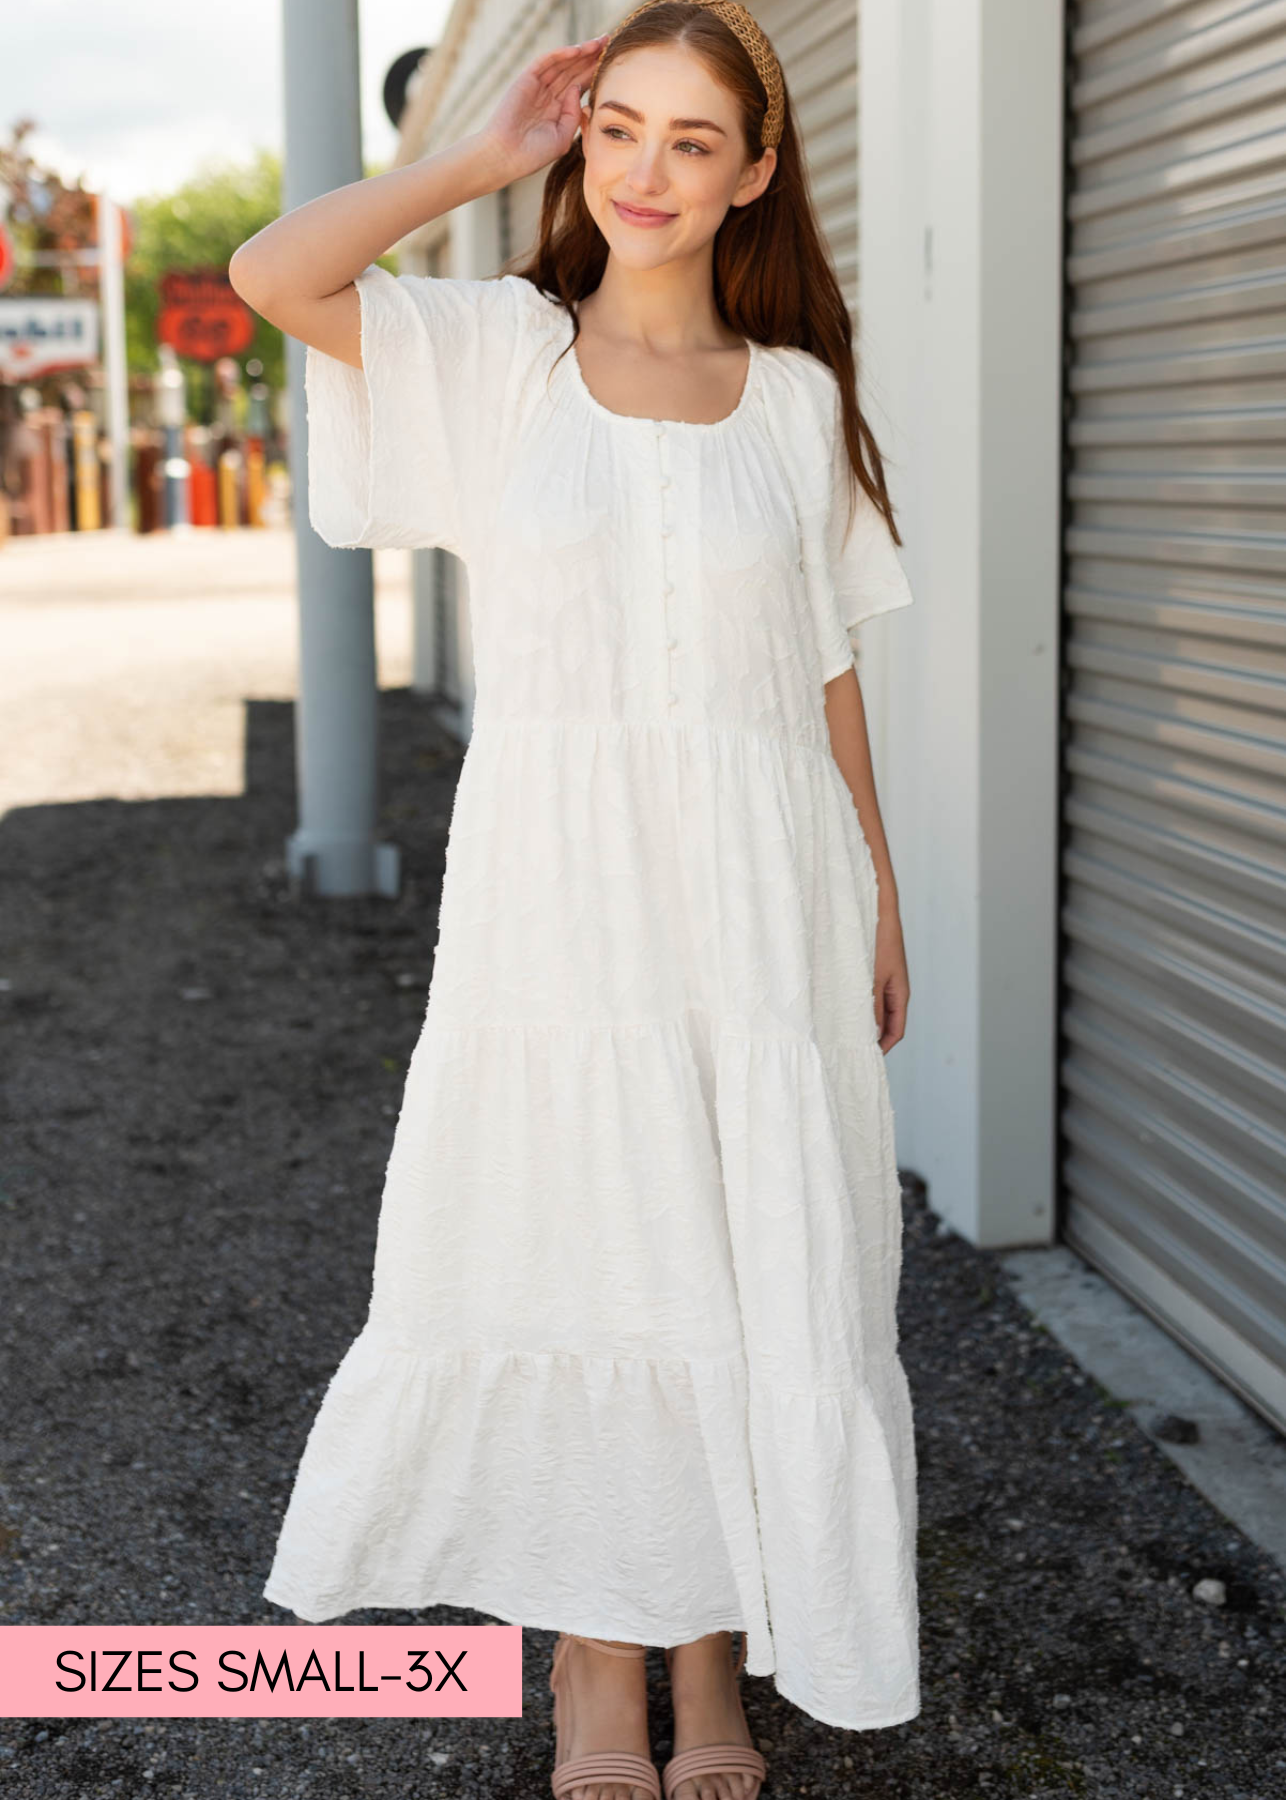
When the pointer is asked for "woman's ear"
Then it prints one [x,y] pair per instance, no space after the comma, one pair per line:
[755,178]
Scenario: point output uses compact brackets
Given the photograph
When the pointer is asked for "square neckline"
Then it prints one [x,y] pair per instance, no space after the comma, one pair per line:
[748,385]
[608,412]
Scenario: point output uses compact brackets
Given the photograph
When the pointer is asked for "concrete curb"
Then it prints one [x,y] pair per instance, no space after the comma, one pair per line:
[1238,1461]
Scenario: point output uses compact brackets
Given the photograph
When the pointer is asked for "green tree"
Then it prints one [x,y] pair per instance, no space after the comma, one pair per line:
[199,225]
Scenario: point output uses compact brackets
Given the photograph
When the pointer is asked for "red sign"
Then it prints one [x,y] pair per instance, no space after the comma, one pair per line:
[203,316]
[6,256]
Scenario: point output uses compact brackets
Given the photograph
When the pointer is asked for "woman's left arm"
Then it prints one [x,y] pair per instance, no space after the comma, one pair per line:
[851,748]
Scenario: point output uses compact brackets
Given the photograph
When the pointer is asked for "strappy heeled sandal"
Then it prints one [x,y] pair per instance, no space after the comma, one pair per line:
[599,1765]
[715,1759]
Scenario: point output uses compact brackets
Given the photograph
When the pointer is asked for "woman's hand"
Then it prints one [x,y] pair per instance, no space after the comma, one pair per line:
[538,114]
[892,983]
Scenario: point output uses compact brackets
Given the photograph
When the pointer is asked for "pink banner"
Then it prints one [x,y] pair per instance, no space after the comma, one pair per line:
[260,1671]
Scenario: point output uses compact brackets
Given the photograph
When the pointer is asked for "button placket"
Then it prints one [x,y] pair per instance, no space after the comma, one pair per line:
[666,486]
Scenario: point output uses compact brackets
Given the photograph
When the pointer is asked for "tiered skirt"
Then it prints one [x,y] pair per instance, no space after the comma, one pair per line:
[630,1366]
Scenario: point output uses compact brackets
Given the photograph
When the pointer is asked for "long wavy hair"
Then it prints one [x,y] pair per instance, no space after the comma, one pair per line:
[773,276]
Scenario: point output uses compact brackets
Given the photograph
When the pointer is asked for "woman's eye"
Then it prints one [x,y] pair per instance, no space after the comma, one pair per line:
[692,145]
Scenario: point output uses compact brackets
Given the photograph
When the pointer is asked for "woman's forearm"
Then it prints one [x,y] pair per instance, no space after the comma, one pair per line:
[851,748]
[319,247]
[301,271]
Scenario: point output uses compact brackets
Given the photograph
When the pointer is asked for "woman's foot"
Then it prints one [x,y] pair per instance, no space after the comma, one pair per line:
[608,1711]
[707,1710]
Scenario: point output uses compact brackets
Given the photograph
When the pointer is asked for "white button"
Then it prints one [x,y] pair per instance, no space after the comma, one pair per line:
[669,587]
[665,481]
[672,698]
[666,531]
[660,431]
[671,643]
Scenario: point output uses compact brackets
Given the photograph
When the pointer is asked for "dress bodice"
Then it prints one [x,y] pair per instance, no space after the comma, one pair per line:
[620,568]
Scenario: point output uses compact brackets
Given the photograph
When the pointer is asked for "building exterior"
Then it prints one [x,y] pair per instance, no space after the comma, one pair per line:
[1062,230]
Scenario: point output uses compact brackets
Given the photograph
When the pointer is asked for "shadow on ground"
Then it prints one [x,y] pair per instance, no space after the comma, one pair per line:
[201,1078]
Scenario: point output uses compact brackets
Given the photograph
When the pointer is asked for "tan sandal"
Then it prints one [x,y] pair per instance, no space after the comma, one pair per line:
[599,1765]
[715,1759]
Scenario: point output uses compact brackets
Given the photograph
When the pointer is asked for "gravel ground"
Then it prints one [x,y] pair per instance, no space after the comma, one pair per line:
[201,1080]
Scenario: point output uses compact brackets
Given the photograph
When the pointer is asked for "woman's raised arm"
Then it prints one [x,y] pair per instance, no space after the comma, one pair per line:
[299,271]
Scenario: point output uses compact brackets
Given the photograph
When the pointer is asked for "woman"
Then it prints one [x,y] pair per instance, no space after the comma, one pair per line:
[630,1368]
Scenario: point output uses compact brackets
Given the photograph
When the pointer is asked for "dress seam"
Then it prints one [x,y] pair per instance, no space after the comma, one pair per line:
[844,1047]
[816,745]
[736,1363]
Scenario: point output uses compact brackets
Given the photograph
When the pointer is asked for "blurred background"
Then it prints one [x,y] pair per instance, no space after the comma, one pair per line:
[162,137]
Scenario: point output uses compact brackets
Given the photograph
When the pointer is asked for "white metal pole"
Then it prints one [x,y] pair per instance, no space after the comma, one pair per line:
[425,576]
[111,296]
[333,850]
[172,409]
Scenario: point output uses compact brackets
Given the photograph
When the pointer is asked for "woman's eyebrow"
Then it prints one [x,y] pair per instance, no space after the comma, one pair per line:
[675,124]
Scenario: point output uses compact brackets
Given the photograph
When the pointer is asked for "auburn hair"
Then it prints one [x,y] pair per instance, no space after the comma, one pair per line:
[774,280]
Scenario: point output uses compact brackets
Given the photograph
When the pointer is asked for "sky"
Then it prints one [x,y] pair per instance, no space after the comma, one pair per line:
[136,95]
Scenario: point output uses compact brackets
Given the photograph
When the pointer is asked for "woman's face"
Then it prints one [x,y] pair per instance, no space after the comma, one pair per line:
[665,156]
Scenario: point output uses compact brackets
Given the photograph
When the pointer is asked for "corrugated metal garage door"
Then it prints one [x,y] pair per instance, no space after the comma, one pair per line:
[817,45]
[520,215]
[1174,1056]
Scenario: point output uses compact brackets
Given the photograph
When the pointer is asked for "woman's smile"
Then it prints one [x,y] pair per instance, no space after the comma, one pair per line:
[641,215]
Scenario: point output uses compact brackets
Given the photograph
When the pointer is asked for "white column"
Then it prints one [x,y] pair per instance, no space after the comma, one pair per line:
[111,299]
[464,650]
[424,624]
[333,850]
[960,291]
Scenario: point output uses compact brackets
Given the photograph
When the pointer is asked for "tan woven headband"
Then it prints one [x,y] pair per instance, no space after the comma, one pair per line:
[758,49]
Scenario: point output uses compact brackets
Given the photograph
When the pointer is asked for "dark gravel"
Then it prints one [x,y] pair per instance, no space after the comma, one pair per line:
[201,1079]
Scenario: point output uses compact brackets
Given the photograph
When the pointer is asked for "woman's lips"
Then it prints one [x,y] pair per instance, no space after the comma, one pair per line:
[633,216]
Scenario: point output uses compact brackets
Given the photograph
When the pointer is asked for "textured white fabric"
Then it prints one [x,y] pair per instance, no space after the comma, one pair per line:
[630,1366]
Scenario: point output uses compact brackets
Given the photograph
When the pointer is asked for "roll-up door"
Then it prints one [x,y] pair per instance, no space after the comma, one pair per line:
[520,215]
[817,45]
[1173,1058]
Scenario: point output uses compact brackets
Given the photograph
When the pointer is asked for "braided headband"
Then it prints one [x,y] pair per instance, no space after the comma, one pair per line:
[757,47]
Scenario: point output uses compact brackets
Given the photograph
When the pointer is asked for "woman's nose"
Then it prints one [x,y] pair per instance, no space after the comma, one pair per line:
[647,173]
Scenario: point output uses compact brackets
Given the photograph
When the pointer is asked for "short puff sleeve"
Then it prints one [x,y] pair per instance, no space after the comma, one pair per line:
[400,450]
[852,575]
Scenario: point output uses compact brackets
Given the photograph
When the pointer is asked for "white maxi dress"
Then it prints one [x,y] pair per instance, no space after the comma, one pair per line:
[630,1366]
